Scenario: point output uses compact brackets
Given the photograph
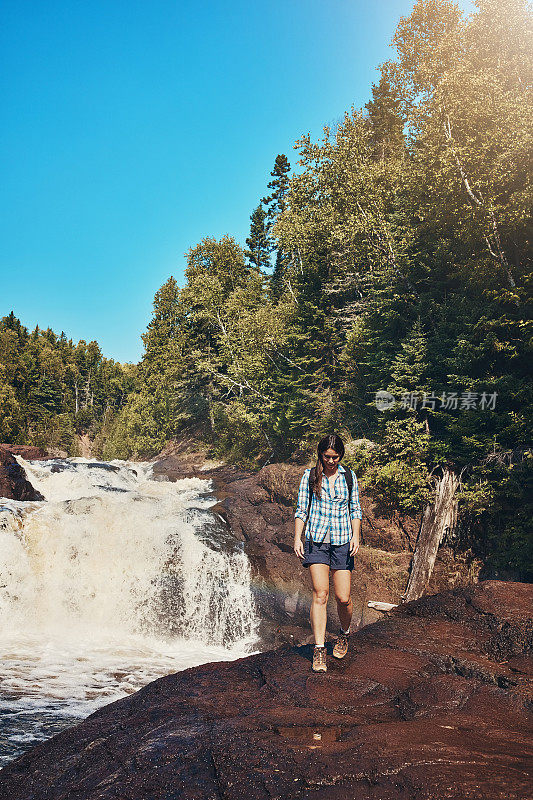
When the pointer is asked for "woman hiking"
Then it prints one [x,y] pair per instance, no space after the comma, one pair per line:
[328,501]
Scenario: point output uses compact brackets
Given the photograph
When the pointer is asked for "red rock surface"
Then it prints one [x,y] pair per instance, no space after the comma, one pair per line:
[13,483]
[28,452]
[433,702]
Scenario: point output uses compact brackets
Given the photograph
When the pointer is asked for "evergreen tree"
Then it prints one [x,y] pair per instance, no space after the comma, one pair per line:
[276,280]
[259,243]
[162,329]
[298,387]
[279,185]
[275,203]
[410,367]
[51,388]
[10,412]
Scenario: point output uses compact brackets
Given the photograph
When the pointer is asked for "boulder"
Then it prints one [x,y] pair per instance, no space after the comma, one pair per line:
[431,703]
[13,482]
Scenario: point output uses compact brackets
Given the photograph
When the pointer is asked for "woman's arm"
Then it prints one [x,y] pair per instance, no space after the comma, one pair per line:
[300,514]
[355,517]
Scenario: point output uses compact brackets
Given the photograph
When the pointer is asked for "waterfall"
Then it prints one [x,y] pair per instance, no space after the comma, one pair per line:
[111,581]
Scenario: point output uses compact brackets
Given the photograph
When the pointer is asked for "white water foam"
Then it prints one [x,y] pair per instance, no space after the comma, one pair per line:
[111,581]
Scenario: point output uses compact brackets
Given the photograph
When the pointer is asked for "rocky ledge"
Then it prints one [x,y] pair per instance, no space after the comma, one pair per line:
[433,702]
[13,483]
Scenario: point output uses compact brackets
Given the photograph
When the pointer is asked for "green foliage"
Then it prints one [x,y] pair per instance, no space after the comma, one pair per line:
[385,119]
[397,486]
[496,503]
[358,456]
[410,367]
[396,473]
[239,434]
[275,203]
[279,185]
[11,415]
[162,329]
[55,432]
[52,389]
[84,420]
[140,429]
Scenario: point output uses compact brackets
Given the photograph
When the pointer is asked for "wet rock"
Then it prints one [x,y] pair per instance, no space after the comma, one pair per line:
[13,482]
[430,703]
[60,465]
[102,465]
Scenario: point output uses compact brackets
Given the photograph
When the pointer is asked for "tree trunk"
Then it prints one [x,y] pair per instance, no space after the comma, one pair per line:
[210,408]
[87,391]
[439,518]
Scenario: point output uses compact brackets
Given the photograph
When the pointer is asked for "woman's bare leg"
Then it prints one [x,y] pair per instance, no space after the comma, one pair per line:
[342,583]
[319,603]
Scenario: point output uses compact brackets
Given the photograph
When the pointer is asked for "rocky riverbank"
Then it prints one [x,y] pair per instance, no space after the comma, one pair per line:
[433,702]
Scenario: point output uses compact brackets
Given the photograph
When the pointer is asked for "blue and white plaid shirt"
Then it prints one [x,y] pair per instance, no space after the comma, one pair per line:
[329,511]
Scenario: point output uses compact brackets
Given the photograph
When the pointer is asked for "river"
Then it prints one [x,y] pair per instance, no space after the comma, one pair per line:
[112,581]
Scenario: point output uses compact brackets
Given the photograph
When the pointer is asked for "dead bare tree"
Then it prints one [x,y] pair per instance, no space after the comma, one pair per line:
[439,519]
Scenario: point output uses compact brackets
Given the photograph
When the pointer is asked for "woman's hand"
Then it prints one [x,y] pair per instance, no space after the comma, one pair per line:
[355,537]
[298,531]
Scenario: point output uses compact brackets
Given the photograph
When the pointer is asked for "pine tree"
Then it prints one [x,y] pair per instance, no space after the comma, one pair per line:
[162,327]
[409,368]
[49,387]
[275,203]
[276,279]
[259,243]
[279,184]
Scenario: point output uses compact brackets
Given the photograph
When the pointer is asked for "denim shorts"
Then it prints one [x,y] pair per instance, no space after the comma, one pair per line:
[336,556]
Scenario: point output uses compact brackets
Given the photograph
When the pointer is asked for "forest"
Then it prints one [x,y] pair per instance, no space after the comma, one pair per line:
[392,256]
[53,391]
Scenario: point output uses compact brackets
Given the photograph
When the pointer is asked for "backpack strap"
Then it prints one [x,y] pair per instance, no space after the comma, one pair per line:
[348,477]
[311,484]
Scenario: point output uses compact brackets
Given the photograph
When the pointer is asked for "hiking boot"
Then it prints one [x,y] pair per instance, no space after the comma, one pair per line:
[319,659]
[341,645]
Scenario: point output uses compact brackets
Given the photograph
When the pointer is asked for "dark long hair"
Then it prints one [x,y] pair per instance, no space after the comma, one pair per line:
[336,443]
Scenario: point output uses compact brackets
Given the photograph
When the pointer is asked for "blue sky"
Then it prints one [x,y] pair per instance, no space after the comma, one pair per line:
[131,130]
